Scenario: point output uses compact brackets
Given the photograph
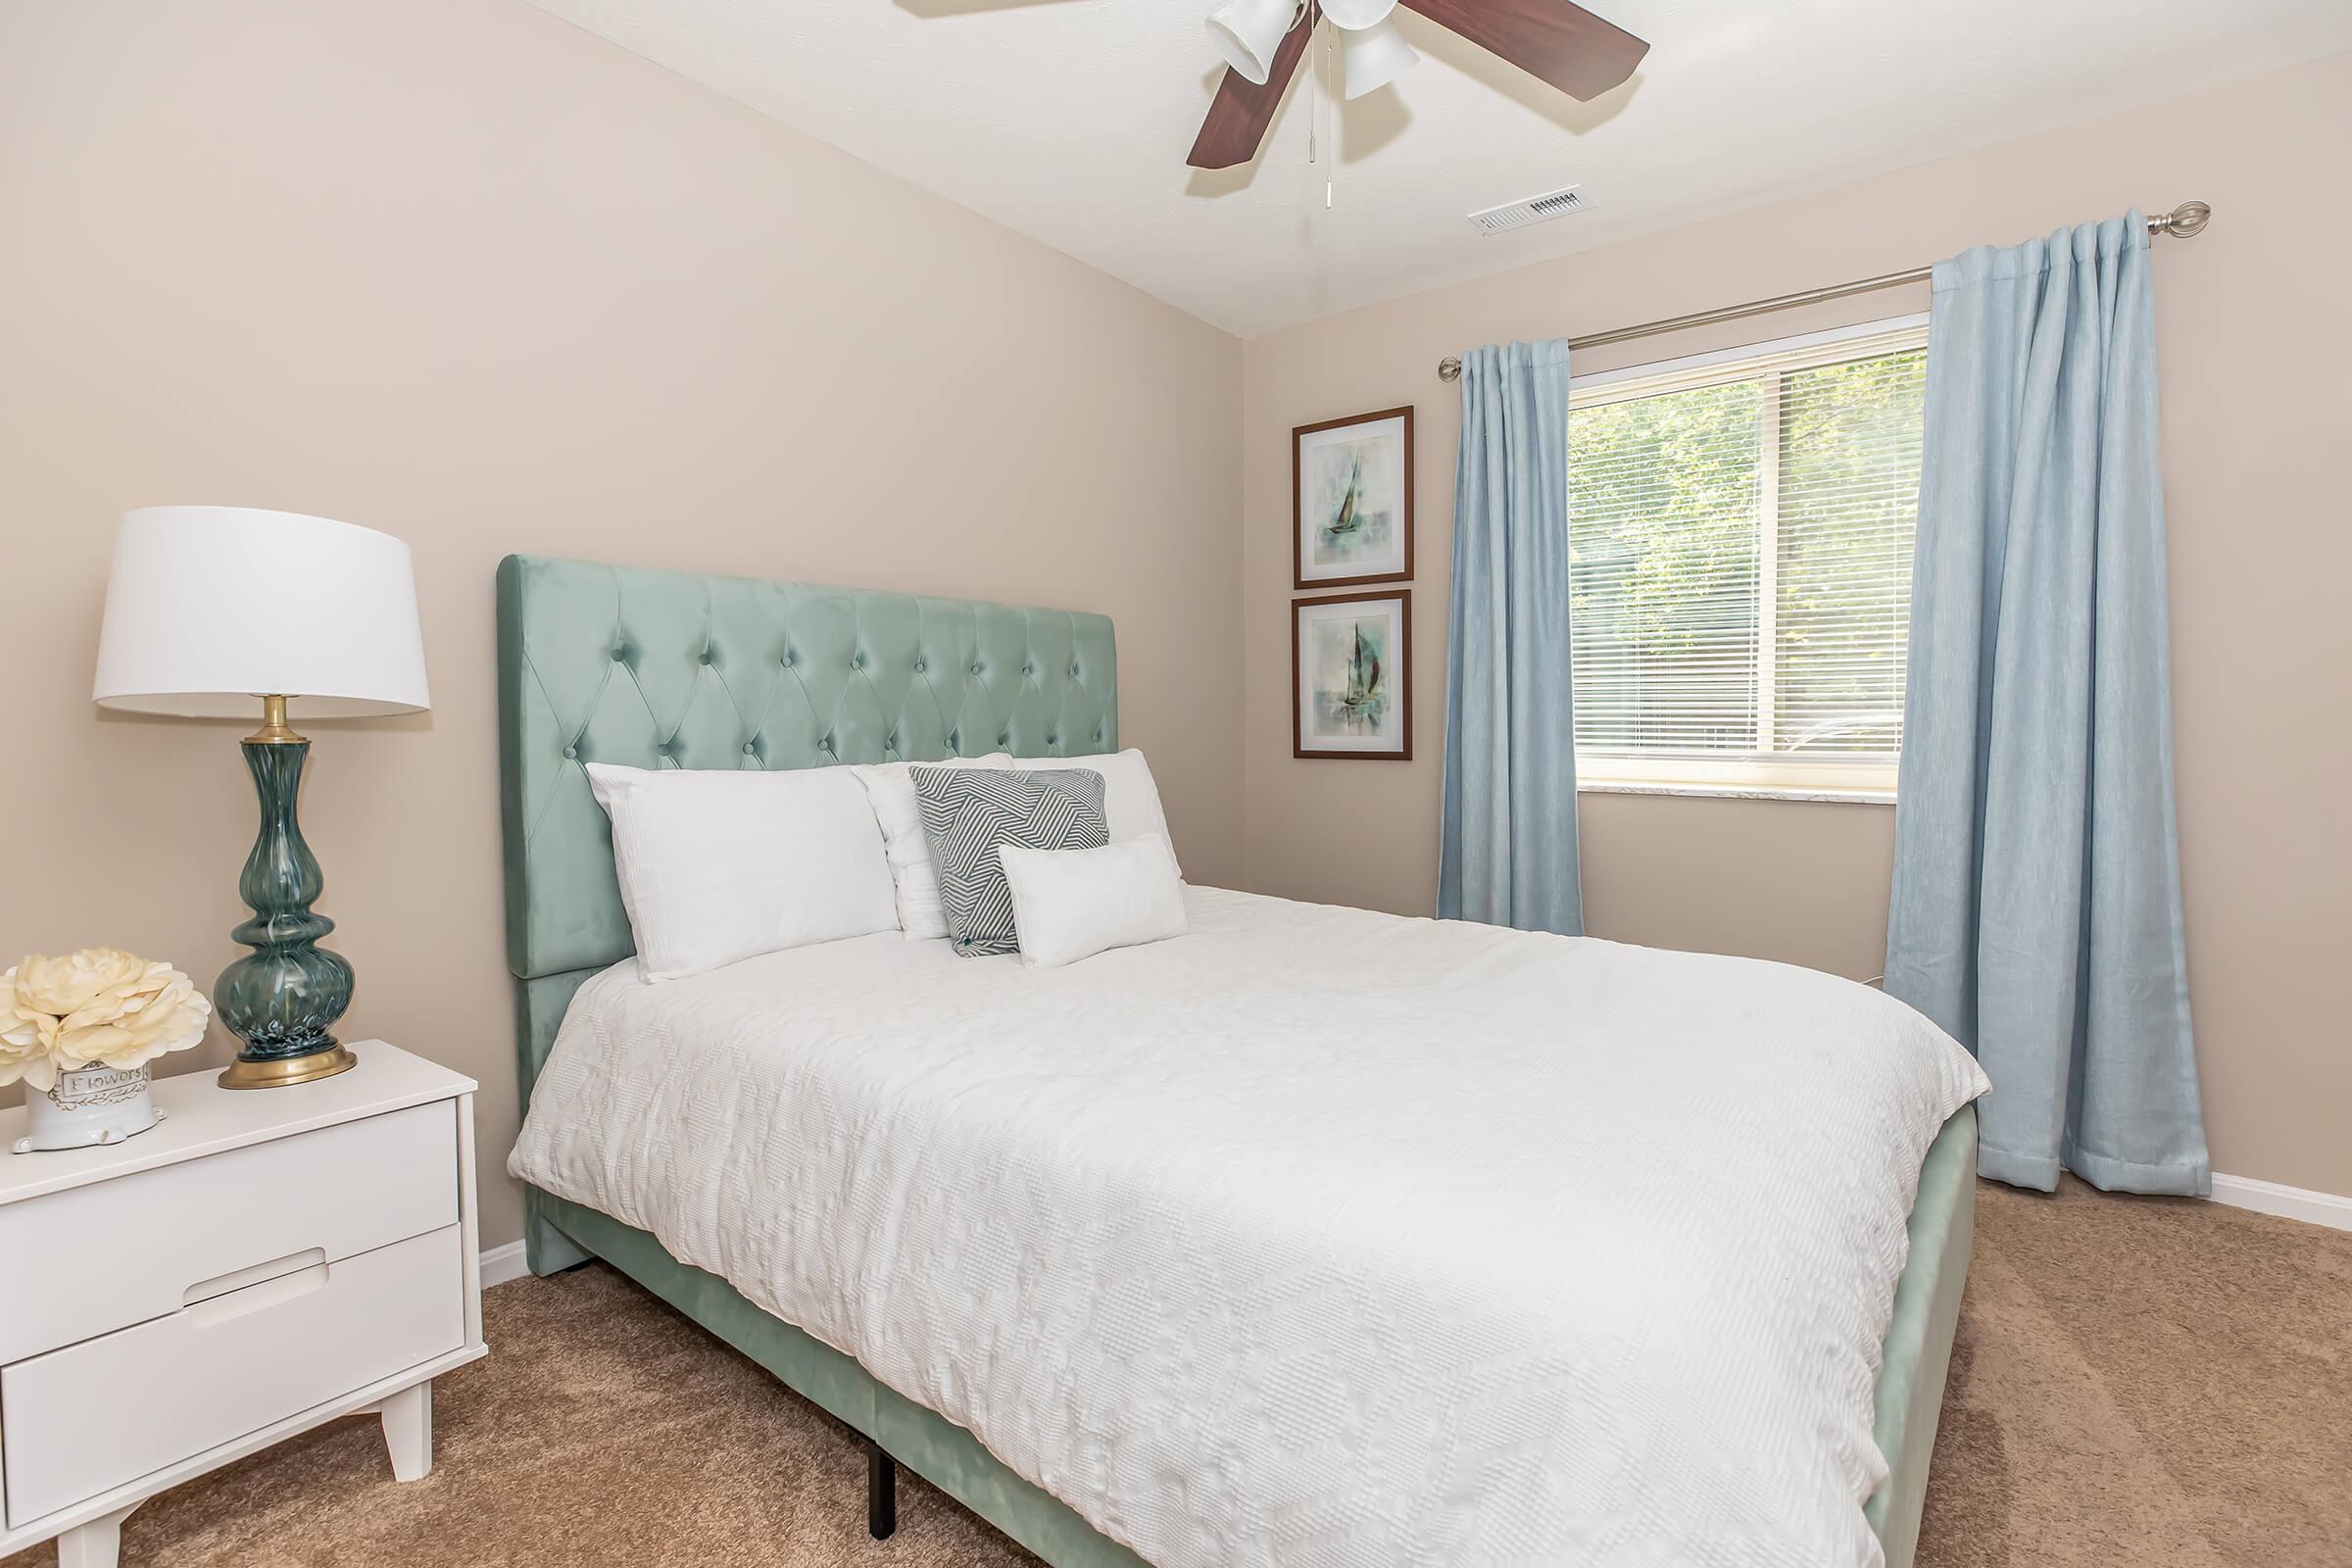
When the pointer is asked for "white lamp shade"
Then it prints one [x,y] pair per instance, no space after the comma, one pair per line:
[1246,32]
[1356,14]
[209,606]
[1373,56]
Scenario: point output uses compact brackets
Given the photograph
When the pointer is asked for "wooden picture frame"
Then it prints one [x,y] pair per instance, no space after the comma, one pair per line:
[1371,500]
[1376,683]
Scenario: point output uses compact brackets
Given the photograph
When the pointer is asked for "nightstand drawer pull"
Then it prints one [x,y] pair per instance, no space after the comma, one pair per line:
[238,1278]
[253,1298]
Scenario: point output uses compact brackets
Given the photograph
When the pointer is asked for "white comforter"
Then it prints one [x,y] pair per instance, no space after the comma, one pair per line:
[1316,1236]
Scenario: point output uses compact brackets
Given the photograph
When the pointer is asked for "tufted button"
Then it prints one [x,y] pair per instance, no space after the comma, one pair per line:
[789,657]
[1053,740]
[826,743]
[975,669]
[1097,734]
[856,660]
[1028,669]
[1073,673]
[619,654]
[572,751]
[892,743]
[1004,740]
[918,666]
[705,655]
[750,750]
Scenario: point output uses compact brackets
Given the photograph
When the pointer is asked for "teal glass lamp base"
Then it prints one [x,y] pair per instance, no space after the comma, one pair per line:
[283,997]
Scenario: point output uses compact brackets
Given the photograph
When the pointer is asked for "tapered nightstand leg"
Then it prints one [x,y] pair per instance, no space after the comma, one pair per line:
[408,1418]
[96,1544]
[881,1492]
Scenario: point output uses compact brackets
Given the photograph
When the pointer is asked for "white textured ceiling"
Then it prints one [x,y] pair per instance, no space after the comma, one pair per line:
[1068,120]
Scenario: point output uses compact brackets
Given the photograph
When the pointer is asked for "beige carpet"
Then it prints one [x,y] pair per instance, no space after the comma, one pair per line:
[2137,1382]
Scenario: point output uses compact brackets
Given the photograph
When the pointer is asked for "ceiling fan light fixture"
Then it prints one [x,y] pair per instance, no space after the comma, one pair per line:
[1246,32]
[1374,56]
[1556,41]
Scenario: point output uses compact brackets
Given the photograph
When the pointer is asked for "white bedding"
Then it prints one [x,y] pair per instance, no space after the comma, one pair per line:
[1315,1236]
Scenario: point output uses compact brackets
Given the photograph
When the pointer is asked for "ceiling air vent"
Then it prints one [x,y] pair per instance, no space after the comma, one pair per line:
[1534,210]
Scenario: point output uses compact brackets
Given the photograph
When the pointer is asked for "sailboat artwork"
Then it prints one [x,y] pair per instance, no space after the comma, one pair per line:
[1351,516]
[1355,527]
[1354,501]
[1352,668]
[1354,708]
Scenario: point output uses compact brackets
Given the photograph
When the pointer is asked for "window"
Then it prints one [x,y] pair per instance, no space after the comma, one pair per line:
[1739,532]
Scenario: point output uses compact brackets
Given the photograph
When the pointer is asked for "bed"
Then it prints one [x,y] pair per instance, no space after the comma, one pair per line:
[768,1148]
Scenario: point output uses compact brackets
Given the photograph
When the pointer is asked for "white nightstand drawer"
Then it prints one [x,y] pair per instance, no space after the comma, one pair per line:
[140,1247]
[109,1410]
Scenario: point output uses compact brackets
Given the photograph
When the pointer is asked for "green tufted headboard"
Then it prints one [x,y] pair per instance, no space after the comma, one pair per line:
[662,670]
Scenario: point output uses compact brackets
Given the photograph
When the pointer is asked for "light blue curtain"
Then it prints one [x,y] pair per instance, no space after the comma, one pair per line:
[2037,900]
[1507,843]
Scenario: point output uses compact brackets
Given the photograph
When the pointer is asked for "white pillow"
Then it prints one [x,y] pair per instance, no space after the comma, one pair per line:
[1130,799]
[1073,904]
[719,865]
[890,788]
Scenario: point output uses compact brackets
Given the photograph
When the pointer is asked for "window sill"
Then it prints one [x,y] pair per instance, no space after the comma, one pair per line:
[1739,792]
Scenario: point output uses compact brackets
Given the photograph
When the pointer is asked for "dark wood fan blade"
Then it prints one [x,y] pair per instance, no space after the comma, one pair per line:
[1241,111]
[1560,43]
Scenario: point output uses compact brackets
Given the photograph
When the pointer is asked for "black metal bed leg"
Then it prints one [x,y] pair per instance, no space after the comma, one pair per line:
[881,1492]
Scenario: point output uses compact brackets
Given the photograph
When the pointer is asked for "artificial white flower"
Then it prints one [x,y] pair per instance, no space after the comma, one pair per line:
[26,1037]
[101,1005]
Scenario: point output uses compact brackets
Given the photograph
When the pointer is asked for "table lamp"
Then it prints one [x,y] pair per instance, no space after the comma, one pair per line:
[210,611]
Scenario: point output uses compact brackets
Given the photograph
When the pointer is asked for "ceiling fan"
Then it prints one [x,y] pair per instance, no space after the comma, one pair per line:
[1261,40]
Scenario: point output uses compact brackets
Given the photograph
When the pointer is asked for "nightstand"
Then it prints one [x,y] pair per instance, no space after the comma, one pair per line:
[257,1264]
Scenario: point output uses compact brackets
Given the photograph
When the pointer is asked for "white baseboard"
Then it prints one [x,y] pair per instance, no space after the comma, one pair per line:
[503,1263]
[2293,1203]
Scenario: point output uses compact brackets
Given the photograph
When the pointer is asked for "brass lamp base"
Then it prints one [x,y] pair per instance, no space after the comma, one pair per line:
[243,1074]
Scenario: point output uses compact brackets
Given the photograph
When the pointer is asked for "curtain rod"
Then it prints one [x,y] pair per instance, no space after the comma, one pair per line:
[2189,217]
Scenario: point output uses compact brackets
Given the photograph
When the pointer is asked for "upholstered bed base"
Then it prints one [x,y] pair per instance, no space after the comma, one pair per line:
[661,670]
[1918,1338]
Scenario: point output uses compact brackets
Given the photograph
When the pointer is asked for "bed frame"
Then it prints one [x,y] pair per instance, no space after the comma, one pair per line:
[662,670]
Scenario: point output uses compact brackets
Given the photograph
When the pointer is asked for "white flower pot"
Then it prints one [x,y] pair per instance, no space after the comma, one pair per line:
[90,1104]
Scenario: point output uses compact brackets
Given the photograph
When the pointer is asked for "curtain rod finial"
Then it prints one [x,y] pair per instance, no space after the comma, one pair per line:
[1449,369]
[2188,219]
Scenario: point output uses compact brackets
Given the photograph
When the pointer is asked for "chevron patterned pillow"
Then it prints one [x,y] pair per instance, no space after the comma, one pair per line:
[967,812]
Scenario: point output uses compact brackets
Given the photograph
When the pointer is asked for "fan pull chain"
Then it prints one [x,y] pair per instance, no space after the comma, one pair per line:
[1331,108]
[1322,114]
[1314,97]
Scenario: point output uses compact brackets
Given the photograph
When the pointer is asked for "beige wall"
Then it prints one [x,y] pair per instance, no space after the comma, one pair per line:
[454,269]
[2255,319]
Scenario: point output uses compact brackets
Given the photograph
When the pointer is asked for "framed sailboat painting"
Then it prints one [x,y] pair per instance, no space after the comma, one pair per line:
[1351,676]
[1352,501]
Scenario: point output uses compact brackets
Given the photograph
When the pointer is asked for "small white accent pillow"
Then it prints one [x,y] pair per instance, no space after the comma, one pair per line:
[1130,799]
[716,865]
[1073,904]
[890,787]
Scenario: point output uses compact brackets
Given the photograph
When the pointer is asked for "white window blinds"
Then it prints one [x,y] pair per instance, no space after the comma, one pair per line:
[1739,539]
